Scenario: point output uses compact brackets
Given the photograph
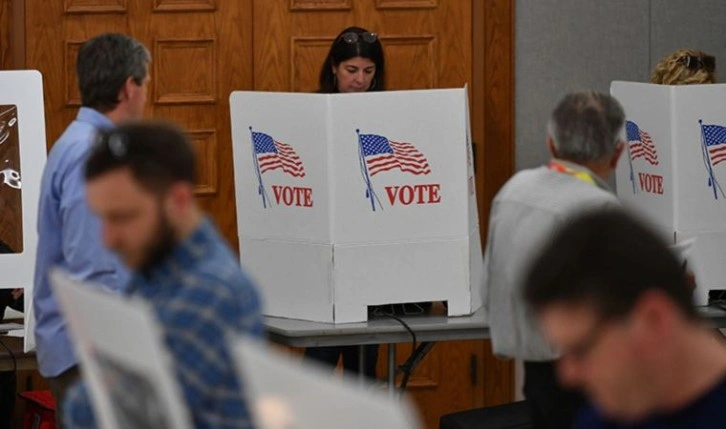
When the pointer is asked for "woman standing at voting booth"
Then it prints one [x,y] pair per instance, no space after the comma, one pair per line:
[355,63]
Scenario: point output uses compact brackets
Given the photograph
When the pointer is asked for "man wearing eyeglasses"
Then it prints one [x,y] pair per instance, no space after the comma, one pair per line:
[112,72]
[140,180]
[616,303]
[584,141]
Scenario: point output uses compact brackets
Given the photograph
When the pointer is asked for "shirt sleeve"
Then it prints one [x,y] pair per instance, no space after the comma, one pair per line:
[487,259]
[83,250]
[77,410]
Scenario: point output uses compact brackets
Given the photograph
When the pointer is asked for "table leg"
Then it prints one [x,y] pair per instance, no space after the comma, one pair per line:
[392,368]
[362,364]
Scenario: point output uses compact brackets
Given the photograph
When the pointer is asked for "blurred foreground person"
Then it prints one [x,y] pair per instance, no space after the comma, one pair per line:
[616,303]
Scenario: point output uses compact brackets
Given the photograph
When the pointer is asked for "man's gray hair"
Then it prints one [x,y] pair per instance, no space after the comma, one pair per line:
[585,126]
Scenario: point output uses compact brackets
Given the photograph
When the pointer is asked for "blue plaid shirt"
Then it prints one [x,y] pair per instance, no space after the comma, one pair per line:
[199,294]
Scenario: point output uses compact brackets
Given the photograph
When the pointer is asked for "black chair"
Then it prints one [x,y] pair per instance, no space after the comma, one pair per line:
[507,416]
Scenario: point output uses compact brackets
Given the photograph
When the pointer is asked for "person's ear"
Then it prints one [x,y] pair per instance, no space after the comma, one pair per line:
[180,197]
[127,89]
[551,147]
[619,148]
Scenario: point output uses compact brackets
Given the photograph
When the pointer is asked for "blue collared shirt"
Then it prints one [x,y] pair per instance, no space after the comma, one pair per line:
[199,295]
[69,236]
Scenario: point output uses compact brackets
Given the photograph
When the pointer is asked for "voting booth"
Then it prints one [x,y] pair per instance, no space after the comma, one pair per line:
[673,170]
[346,201]
[22,157]
[126,367]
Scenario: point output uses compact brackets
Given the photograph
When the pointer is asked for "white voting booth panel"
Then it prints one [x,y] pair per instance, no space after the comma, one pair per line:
[346,201]
[674,169]
[281,390]
[22,123]
[123,359]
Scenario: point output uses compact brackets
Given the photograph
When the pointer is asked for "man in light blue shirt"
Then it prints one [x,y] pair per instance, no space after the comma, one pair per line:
[113,77]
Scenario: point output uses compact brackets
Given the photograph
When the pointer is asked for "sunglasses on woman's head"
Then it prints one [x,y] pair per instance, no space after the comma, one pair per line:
[693,62]
[353,37]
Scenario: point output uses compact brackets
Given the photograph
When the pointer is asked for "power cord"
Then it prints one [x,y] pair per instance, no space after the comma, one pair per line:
[407,367]
[418,351]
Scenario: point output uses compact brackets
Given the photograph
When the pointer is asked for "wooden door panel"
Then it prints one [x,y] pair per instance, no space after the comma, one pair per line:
[189,84]
[411,61]
[6,35]
[307,53]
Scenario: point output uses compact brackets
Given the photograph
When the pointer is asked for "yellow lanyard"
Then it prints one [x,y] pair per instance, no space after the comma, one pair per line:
[580,175]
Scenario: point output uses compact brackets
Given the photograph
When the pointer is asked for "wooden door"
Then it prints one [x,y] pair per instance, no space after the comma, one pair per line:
[201,51]
[427,44]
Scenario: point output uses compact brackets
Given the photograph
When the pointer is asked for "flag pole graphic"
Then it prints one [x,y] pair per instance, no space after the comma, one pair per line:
[712,181]
[370,193]
[261,187]
[630,162]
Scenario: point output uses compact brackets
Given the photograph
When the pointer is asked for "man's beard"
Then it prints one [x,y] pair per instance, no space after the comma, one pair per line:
[159,247]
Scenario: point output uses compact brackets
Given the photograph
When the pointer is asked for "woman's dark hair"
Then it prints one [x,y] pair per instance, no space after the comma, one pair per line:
[341,50]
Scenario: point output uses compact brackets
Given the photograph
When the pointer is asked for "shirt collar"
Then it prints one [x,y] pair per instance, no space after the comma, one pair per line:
[582,169]
[94,117]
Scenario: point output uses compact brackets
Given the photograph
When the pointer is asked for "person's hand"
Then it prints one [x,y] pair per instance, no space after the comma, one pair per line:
[17,293]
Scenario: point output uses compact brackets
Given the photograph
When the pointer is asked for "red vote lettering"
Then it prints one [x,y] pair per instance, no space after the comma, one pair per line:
[651,183]
[420,194]
[405,195]
[434,197]
[293,195]
[308,194]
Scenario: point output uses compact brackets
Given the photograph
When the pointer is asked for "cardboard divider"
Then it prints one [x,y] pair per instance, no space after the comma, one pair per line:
[23,155]
[673,173]
[384,180]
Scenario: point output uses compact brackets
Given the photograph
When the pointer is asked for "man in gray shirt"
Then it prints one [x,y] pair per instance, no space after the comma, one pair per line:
[584,141]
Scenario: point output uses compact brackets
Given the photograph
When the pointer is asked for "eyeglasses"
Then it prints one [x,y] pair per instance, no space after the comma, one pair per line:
[693,62]
[579,351]
[353,37]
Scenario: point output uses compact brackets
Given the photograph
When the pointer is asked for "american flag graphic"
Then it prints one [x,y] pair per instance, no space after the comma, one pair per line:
[641,144]
[382,154]
[715,139]
[272,155]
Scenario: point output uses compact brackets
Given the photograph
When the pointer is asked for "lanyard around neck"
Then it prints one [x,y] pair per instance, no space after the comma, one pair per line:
[577,174]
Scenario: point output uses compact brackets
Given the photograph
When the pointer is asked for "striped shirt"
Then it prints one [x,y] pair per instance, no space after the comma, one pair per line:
[199,294]
[527,211]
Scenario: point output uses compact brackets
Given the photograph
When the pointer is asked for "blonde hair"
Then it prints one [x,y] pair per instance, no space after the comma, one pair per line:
[671,70]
